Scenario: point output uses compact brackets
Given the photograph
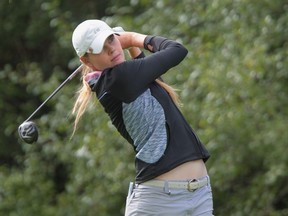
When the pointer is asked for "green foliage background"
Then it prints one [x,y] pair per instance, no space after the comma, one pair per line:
[233,86]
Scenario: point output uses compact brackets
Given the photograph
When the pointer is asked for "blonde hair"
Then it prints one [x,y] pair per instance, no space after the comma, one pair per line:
[84,94]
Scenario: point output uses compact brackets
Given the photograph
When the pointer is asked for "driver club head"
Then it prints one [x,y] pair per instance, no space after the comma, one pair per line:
[28,132]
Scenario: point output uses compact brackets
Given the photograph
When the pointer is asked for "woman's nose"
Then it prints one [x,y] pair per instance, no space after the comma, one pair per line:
[110,49]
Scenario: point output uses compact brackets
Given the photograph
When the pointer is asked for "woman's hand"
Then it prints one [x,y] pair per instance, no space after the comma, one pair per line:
[127,41]
[131,39]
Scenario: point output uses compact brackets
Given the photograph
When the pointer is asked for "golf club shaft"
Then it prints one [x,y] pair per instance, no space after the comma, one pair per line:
[53,93]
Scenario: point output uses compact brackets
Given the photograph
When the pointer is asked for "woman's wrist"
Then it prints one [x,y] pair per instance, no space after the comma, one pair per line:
[137,39]
[131,39]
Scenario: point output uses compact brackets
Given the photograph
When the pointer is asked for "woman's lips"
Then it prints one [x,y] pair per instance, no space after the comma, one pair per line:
[114,59]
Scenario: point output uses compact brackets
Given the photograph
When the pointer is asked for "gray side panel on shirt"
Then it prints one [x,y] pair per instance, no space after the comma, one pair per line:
[144,120]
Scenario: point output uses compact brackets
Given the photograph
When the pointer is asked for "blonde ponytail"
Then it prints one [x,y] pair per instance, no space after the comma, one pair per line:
[171,91]
[83,97]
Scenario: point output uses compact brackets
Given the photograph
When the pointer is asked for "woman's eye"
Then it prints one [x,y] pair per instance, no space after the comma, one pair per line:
[111,38]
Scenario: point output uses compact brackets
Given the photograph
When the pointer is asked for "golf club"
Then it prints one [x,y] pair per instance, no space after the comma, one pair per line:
[28,131]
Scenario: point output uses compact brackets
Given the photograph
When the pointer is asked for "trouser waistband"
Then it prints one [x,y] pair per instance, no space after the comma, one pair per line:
[190,185]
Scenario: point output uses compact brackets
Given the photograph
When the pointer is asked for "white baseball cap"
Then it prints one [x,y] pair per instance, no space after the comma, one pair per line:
[89,36]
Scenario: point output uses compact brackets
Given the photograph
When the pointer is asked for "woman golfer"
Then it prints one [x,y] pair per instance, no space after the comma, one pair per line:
[171,177]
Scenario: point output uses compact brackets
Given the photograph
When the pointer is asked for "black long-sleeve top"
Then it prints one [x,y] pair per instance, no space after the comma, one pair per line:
[144,113]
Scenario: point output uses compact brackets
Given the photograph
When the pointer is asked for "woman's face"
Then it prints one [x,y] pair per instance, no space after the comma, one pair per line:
[111,55]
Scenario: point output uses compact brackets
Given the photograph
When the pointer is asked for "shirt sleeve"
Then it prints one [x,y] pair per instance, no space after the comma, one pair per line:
[131,78]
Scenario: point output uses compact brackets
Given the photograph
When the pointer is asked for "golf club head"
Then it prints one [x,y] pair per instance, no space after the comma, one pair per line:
[28,132]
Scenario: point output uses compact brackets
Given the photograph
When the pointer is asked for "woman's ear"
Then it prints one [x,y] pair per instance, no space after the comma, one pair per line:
[86,61]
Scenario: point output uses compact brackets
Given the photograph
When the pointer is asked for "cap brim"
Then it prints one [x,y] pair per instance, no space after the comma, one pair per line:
[98,42]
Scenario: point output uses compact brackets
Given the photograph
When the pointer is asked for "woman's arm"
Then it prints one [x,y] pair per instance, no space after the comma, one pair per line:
[131,78]
[134,52]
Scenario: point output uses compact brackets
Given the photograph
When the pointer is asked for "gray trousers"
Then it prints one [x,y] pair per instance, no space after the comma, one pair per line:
[155,201]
